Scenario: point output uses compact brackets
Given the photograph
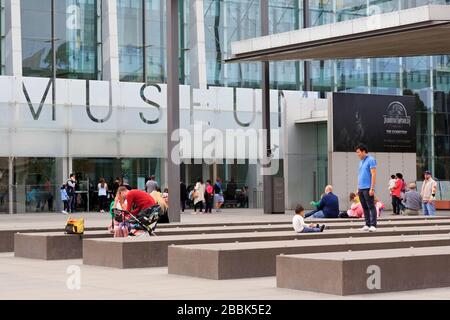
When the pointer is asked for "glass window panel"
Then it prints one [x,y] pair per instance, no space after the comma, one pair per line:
[76,39]
[36,185]
[36,37]
[130,26]
[156,40]
[225,22]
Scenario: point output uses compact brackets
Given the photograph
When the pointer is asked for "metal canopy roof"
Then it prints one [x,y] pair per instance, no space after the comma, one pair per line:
[412,32]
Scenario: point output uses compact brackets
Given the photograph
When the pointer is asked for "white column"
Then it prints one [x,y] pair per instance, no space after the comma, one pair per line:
[197,51]
[110,41]
[13,39]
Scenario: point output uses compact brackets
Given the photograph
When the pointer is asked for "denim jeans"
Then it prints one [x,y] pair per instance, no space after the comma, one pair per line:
[368,204]
[317,215]
[310,230]
[429,209]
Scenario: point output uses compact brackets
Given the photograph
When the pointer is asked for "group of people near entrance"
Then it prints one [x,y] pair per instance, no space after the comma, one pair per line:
[405,199]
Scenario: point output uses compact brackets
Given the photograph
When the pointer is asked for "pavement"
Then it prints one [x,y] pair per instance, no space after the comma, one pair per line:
[71,280]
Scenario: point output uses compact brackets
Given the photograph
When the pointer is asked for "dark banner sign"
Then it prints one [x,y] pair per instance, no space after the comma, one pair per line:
[383,123]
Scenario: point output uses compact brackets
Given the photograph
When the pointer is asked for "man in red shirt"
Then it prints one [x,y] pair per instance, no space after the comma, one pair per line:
[137,199]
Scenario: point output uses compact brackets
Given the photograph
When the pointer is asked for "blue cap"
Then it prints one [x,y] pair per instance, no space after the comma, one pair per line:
[427,172]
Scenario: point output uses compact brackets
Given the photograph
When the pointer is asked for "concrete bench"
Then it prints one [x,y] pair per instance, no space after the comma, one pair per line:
[7,236]
[361,272]
[288,227]
[30,245]
[152,252]
[258,259]
[53,245]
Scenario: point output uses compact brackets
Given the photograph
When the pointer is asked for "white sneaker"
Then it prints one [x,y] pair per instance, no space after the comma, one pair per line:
[64,211]
[372,229]
[365,228]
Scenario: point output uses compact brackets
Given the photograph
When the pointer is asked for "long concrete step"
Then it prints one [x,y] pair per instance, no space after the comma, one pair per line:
[153,252]
[331,225]
[366,272]
[258,259]
[29,244]
[7,235]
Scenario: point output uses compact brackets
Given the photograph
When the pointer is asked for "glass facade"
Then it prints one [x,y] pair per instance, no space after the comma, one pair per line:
[141,26]
[425,77]
[228,21]
[77,38]
[144,34]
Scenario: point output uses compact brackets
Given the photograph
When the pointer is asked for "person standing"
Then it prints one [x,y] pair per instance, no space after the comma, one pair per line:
[218,195]
[70,186]
[428,194]
[391,186]
[199,198]
[183,196]
[64,199]
[151,185]
[102,188]
[367,174]
[209,197]
[396,194]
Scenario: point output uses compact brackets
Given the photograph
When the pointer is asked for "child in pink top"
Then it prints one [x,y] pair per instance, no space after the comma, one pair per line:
[356,209]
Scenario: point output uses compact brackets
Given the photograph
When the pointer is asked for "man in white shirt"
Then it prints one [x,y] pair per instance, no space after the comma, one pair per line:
[428,194]
[299,224]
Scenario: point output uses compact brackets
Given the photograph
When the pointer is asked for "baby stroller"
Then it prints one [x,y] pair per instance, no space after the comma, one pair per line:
[144,223]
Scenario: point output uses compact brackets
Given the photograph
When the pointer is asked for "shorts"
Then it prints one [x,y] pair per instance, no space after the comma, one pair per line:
[218,198]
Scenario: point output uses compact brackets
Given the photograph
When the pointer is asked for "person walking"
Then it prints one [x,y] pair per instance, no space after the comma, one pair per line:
[102,188]
[428,194]
[199,195]
[367,174]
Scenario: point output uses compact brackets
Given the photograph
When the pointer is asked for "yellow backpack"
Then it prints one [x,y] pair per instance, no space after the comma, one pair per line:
[74,226]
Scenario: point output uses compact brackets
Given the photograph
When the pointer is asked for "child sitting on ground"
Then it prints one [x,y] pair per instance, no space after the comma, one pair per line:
[379,206]
[299,223]
[356,209]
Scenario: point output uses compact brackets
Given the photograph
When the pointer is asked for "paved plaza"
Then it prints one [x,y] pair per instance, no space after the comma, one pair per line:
[38,279]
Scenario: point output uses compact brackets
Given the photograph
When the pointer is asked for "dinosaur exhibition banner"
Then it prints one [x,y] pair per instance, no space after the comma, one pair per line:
[383,123]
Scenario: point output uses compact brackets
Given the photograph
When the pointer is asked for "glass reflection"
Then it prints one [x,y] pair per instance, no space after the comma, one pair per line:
[76,25]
